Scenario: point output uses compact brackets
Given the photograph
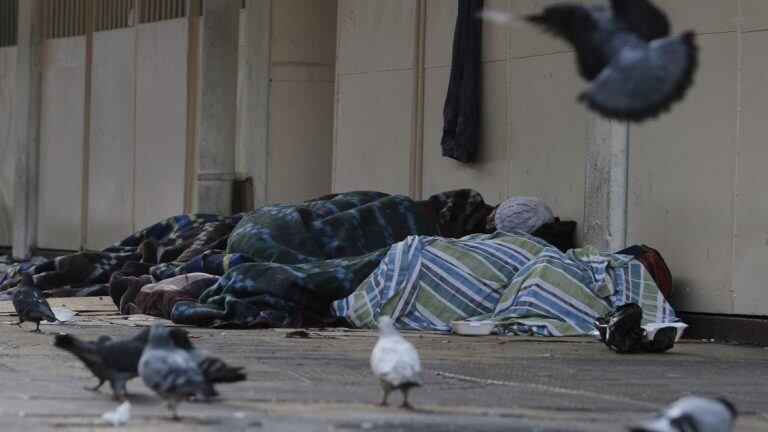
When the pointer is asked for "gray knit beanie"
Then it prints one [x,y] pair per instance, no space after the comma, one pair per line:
[526,214]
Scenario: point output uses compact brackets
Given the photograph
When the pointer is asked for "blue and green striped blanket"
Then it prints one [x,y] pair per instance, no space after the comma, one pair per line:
[517,280]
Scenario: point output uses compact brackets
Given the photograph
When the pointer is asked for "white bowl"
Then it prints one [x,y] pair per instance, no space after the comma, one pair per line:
[652,328]
[473,328]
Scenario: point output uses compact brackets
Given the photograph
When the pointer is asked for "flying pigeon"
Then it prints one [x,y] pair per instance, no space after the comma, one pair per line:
[636,69]
[395,362]
[30,303]
[692,414]
[118,361]
[169,371]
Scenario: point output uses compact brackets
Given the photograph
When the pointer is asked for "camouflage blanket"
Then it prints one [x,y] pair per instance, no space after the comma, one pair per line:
[179,238]
[282,264]
[304,256]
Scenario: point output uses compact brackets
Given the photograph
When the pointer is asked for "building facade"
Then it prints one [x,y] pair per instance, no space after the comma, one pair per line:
[337,95]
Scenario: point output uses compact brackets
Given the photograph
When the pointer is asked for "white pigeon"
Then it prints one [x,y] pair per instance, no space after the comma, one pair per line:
[692,414]
[118,417]
[395,362]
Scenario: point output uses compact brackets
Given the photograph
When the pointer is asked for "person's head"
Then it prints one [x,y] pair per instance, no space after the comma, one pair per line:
[524,214]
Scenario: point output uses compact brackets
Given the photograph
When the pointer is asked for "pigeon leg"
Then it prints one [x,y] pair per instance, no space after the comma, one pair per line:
[97,387]
[405,404]
[174,414]
[37,329]
[118,389]
[383,402]
[18,323]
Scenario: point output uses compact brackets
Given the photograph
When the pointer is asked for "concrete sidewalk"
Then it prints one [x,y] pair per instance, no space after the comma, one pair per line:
[323,383]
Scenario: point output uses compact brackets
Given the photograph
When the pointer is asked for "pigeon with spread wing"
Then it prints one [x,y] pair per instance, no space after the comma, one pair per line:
[636,68]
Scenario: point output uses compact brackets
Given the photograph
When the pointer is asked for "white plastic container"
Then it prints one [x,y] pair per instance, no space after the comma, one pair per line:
[652,328]
[473,328]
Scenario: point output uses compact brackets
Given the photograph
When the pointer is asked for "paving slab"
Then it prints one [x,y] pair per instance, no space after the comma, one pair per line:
[323,382]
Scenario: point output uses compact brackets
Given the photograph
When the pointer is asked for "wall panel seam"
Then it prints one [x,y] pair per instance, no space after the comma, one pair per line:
[736,153]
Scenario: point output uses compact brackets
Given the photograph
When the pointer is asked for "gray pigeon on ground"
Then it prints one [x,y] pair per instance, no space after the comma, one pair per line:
[395,362]
[118,361]
[113,361]
[636,68]
[692,414]
[30,303]
[171,372]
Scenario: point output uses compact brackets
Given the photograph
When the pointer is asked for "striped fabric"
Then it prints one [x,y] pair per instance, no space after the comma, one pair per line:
[517,280]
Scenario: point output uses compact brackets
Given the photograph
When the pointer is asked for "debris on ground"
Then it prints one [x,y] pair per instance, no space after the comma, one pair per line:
[118,417]
[297,334]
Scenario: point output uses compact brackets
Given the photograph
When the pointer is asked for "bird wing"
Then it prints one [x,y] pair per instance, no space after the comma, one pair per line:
[180,339]
[216,370]
[576,24]
[641,82]
[642,18]
[395,361]
[123,355]
[171,371]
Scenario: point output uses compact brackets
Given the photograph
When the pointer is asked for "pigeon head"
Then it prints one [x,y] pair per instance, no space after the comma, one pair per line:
[158,336]
[27,279]
[386,326]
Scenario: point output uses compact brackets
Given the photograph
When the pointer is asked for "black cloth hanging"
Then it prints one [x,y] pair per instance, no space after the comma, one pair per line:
[461,114]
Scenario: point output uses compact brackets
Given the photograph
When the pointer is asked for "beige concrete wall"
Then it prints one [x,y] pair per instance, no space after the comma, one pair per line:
[61,143]
[7,142]
[751,216]
[111,176]
[285,133]
[698,174]
[374,85]
[303,49]
[160,140]
[527,147]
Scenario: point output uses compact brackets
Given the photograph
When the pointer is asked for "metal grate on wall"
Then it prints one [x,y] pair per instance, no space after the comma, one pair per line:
[159,10]
[9,15]
[63,18]
[113,14]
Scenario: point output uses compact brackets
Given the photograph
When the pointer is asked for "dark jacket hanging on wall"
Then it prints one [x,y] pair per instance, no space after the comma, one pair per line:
[461,114]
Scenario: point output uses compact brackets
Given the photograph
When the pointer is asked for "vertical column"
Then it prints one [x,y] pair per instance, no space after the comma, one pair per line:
[218,80]
[88,11]
[258,28]
[605,200]
[193,63]
[28,94]
[417,115]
